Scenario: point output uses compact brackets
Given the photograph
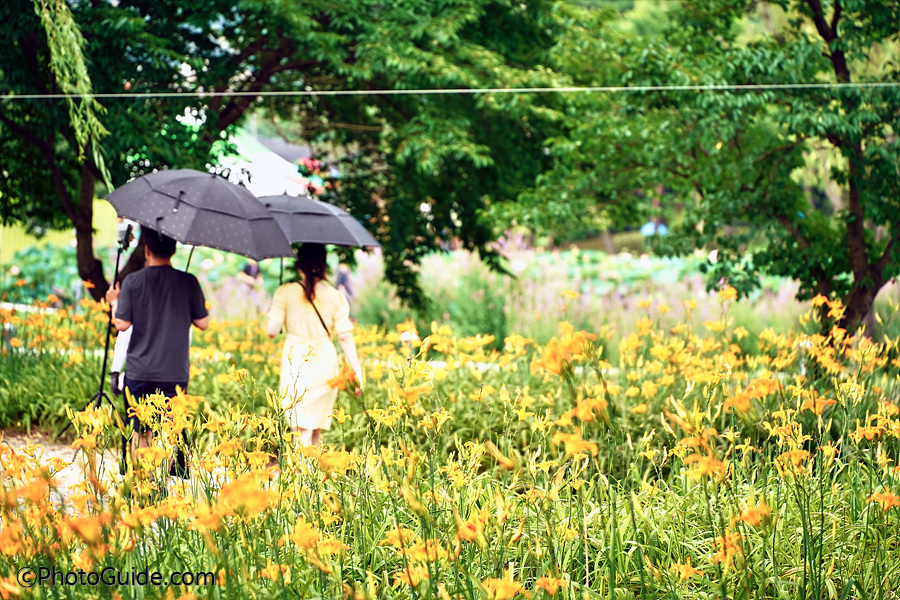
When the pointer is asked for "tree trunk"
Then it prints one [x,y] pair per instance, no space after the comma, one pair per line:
[868,278]
[859,304]
[608,242]
[89,267]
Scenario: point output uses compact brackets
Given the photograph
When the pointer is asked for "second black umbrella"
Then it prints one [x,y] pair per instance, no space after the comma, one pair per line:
[312,221]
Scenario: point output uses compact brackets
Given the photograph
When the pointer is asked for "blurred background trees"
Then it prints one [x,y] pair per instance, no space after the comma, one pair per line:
[792,181]
[416,169]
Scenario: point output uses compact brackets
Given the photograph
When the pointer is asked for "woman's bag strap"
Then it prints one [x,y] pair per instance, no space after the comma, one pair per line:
[321,320]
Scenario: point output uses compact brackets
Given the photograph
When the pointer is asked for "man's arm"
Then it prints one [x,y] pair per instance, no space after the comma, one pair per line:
[112,296]
[119,323]
[199,312]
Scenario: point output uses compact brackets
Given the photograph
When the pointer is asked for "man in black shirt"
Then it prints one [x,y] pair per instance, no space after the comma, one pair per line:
[160,303]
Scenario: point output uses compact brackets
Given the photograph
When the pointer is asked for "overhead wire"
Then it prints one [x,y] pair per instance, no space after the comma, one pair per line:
[466,91]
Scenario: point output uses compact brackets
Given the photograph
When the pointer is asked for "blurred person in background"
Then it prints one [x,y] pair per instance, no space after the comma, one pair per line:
[251,274]
[344,284]
[252,298]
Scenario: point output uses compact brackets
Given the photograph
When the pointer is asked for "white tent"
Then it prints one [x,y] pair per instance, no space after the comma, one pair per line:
[262,171]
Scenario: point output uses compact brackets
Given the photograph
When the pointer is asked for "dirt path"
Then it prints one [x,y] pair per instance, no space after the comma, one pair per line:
[70,475]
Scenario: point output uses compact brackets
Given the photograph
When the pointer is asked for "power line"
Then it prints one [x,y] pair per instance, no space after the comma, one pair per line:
[468,91]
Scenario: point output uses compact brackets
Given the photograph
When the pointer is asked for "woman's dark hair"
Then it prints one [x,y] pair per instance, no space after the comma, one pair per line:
[311,262]
[160,245]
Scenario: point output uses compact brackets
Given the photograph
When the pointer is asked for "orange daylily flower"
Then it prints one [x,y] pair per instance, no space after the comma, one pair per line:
[685,571]
[886,500]
[344,380]
[504,589]
[551,585]
[753,514]
[728,546]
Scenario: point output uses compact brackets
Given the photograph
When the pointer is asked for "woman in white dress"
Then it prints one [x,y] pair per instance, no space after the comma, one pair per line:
[310,312]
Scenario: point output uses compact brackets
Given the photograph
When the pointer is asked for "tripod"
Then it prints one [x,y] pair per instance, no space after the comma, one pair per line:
[100,396]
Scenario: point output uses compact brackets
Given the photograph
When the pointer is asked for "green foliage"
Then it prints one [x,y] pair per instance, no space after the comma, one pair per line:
[44,270]
[735,162]
[454,153]
[51,361]
[608,292]
[36,389]
[65,44]
[52,269]
[461,294]
[621,482]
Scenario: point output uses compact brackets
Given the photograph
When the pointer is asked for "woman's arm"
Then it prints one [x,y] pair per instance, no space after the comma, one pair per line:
[274,327]
[277,313]
[348,346]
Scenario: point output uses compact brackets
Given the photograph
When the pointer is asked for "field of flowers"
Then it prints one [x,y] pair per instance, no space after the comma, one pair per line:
[693,465]
[584,287]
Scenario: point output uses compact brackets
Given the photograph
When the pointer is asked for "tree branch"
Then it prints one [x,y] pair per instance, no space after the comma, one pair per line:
[135,261]
[825,31]
[785,148]
[215,103]
[792,229]
[856,240]
[829,34]
[296,65]
[30,43]
[47,153]
[835,17]
[836,140]
[238,59]
[390,102]
[269,67]
[355,127]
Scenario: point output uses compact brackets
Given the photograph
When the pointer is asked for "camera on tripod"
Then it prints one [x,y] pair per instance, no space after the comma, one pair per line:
[125,230]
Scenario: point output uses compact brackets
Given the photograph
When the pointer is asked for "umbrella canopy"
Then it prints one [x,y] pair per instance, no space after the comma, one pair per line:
[202,209]
[313,221]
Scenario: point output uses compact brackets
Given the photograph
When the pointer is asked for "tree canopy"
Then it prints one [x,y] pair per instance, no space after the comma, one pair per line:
[417,168]
[746,156]
[740,166]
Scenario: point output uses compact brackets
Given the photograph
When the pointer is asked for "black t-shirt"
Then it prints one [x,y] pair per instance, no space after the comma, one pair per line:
[160,303]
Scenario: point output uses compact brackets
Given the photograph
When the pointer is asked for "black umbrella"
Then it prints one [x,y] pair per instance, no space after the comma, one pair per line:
[202,209]
[313,221]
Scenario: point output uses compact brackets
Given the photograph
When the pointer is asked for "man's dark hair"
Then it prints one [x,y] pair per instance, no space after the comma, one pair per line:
[159,245]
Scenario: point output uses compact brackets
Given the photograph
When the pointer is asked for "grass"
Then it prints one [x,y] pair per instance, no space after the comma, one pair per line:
[689,467]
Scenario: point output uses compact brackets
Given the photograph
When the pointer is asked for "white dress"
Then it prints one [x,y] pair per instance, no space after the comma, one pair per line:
[309,358]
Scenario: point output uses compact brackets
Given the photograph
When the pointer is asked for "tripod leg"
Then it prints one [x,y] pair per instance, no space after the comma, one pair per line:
[98,397]
[97,400]
[123,464]
[179,466]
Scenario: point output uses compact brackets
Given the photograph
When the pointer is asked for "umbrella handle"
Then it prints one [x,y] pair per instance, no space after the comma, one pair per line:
[188,265]
[281,273]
